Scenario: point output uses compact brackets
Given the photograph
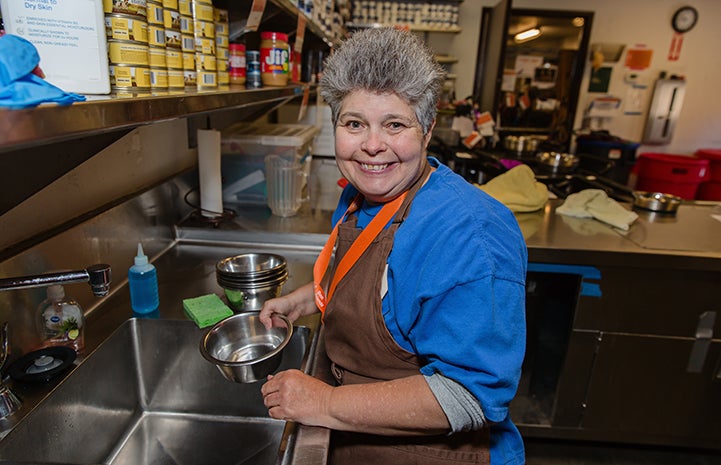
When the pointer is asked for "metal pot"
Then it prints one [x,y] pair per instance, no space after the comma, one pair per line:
[656,202]
[242,348]
[558,162]
[520,144]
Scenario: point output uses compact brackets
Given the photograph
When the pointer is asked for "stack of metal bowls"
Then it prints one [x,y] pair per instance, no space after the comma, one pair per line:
[250,279]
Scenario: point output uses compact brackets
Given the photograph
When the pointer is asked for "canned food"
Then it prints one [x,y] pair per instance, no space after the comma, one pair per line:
[171,19]
[220,16]
[186,25]
[156,36]
[185,8]
[189,61]
[205,46]
[222,53]
[223,78]
[204,29]
[207,79]
[157,57]
[221,65]
[172,4]
[205,62]
[128,7]
[206,2]
[221,41]
[127,53]
[222,29]
[173,38]
[158,78]
[190,78]
[126,27]
[130,77]
[187,43]
[175,78]
[203,12]
[174,58]
[155,13]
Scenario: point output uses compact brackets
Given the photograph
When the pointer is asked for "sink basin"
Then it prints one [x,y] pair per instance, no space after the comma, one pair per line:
[146,395]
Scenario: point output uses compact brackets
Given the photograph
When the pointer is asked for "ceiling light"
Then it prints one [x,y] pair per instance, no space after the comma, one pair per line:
[578,21]
[527,35]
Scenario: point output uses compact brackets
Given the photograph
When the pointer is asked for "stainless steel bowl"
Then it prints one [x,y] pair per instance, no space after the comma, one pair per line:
[657,202]
[250,279]
[251,266]
[558,162]
[251,298]
[243,349]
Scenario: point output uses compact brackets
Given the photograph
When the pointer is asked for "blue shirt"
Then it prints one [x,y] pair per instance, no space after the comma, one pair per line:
[456,294]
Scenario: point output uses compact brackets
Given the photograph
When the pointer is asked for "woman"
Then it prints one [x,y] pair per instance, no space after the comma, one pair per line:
[423,308]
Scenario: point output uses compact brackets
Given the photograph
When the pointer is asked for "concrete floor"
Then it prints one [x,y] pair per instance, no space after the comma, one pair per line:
[553,452]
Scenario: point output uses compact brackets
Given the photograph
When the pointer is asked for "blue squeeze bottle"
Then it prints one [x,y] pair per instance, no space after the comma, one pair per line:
[143,283]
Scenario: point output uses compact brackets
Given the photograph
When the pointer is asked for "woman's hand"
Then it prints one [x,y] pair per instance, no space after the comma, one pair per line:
[292,395]
[294,305]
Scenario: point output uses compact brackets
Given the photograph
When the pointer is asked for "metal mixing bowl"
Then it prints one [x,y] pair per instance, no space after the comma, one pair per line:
[243,349]
[250,279]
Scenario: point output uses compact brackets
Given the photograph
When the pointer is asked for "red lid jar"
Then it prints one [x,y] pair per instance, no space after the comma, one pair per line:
[274,58]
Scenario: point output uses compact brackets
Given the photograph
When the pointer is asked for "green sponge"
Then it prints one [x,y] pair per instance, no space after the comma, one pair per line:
[206,310]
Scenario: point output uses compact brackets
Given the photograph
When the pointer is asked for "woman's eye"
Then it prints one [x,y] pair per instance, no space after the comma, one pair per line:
[396,126]
[353,124]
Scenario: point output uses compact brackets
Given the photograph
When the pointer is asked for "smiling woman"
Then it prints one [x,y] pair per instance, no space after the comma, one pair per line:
[423,307]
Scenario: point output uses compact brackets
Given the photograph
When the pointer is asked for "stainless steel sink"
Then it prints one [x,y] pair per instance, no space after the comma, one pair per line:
[146,396]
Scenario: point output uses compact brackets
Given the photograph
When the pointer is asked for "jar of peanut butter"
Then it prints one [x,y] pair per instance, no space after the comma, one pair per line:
[236,63]
[274,58]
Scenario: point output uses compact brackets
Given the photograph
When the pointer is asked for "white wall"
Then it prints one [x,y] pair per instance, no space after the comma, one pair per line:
[645,22]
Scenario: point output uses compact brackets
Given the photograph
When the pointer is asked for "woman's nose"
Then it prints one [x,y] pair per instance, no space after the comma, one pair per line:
[374,142]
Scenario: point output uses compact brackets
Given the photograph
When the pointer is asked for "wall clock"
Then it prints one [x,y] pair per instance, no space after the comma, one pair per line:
[684,19]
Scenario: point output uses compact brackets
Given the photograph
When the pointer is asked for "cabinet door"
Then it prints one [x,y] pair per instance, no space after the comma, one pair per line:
[640,391]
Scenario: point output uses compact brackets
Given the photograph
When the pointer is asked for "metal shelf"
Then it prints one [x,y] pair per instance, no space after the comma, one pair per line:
[450,29]
[52,123]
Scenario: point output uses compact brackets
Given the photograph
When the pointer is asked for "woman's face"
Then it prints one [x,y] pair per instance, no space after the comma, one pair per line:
[379,144]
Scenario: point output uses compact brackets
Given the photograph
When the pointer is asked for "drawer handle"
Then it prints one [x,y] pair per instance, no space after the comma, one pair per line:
[704,334]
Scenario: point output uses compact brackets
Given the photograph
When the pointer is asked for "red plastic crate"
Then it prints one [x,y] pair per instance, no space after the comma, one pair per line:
[714,158]
[672,174]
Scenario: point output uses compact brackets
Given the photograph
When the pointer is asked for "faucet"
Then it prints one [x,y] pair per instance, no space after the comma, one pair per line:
[98,276]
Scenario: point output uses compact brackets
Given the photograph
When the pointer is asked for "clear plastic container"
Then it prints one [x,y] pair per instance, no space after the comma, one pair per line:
[61,321]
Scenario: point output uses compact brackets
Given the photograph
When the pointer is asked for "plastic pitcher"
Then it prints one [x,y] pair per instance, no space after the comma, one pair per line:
[284,181]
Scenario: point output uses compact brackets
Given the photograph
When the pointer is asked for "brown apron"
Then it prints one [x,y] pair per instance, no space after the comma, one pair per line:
[363,351]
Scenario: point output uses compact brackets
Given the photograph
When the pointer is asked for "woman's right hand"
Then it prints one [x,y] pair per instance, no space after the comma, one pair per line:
[294,305]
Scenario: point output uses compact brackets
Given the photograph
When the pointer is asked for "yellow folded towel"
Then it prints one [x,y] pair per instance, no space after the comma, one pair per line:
[595,203]
[517,189]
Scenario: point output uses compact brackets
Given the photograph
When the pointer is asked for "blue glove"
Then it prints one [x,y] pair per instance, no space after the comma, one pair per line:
[19,87]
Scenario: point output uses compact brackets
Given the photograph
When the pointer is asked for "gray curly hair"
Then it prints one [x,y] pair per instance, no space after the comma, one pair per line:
[384,60]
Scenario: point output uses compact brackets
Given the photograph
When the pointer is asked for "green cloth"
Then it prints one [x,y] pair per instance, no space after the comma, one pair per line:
[206,310]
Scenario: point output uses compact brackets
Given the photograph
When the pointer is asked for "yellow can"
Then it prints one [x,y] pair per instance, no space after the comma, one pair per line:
[171,19]
[221,65]
[222,53]
[186,25]
[221,41]
[189,60]
[205,62]
[190,78]
[205,46]
[158,78]
[174,58]
[128,7]
[207,79]
[223,78]
[176,78]
[127,53]
[155,13]
[125,77]
[157,56]
[204,29]
[156,36]
[173,38]
[185,7]
[187,43]
[172,4]
[220,16]
[222,29]
[126,27]
[203,12]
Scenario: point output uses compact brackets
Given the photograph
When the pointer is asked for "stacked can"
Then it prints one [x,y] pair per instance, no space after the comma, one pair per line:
[204,33]
[175,23]
[126,29]
[236,64]
[222,45]
[187,43]
[157,56]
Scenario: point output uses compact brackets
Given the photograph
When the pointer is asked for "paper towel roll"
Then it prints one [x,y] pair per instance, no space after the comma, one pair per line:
[211,197]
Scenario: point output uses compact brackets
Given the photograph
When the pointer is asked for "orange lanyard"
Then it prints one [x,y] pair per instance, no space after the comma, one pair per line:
[356,249]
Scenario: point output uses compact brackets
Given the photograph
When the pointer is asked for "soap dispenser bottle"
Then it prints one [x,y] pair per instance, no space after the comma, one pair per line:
[61,320]
[143,283]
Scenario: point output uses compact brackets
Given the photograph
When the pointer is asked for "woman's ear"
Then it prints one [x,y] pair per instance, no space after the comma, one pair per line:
[429,134]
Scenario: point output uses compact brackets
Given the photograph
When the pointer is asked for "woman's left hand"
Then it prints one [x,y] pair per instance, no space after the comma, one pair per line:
[292,395]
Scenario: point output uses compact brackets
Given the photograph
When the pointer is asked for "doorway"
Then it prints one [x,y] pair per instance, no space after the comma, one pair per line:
[537,72]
